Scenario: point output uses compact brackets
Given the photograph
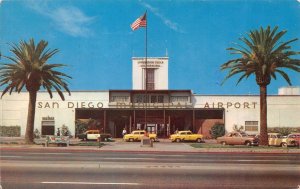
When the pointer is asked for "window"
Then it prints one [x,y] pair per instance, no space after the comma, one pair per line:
[153,99]
[251,125]
[119,98]
[150,79]
[138,99]
[179,98]
[48,127]
[160,99]
[141,98]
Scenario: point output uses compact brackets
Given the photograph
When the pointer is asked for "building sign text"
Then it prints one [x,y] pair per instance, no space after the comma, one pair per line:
[57,105]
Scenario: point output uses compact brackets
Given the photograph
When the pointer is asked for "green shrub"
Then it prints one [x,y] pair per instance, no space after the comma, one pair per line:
[217,130]
[65,131]
[10,131]
[80,126]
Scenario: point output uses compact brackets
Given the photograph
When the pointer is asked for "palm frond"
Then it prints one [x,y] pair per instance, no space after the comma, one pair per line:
[30,68]
[262,54]
[284,75]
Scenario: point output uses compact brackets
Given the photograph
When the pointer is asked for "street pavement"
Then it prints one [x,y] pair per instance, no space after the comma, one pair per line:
[37,168]
[164,145]
[128,165]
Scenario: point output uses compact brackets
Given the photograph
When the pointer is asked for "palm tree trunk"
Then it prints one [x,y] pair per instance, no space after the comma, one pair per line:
[30,117]
[263,116]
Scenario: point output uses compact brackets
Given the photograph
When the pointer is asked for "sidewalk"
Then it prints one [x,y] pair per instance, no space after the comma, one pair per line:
[164,145]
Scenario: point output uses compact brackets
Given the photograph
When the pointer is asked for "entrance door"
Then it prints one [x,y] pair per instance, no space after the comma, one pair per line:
[151,128]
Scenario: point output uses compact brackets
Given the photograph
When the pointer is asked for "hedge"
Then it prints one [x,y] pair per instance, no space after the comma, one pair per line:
[10,131]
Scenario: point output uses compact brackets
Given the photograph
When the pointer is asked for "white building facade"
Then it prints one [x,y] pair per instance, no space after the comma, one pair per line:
[157,109]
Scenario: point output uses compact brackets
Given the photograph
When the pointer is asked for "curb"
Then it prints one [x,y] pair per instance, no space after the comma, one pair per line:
[145,150]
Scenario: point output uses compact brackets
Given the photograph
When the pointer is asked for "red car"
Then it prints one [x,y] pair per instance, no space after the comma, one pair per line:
[238,138]
[296,137]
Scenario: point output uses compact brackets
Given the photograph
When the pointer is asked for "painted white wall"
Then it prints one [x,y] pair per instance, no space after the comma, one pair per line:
[161,72]
[14,108]
[283,111]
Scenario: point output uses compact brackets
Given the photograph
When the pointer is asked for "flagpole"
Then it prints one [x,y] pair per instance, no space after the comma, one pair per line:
[146,70]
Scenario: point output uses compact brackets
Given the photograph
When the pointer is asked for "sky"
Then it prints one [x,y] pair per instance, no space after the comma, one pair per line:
[96,42]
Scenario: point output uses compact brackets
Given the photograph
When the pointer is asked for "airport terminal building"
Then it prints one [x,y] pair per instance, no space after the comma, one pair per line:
[158,109]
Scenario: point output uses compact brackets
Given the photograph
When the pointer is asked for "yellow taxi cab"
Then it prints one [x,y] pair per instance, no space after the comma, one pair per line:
[137,136]
[182,136]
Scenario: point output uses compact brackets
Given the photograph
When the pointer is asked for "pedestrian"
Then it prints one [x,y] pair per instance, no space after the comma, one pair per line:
[176,131]
[124,132]
[58,132]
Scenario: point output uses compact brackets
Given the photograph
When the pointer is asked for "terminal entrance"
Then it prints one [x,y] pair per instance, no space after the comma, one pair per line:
[162,122]
[151,128]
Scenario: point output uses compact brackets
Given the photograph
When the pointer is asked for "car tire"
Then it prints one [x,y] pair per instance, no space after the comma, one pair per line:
[248,143]
[131,140]
[177,140]
[223,143]
[152,139]
[284,145]
[199,140]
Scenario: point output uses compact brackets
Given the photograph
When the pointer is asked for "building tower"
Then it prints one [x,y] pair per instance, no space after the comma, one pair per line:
[157,78]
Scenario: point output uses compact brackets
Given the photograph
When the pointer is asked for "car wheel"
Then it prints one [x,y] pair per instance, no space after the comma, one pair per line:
[131,140]
[284,145]
[248,143]
[177,140]
[199,140]
[223,143]
[152,139]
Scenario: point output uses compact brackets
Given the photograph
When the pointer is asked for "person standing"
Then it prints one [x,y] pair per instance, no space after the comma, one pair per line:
[124,132]
[58,132]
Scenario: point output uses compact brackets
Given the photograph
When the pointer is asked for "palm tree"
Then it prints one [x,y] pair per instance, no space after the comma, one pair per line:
[29,68]
[263,56]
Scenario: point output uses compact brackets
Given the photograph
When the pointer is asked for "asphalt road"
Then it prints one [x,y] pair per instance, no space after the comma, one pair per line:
[51,169]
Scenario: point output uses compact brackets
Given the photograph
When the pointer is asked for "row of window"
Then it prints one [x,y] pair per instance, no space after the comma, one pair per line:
[148,99]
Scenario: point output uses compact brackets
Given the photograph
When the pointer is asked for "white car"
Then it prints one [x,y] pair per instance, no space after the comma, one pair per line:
[89,135]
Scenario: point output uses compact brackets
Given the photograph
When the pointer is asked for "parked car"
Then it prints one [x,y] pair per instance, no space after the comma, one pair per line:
[137,136]
[276,139]
[181,136]
[295,136]
[94,135]
[238,138]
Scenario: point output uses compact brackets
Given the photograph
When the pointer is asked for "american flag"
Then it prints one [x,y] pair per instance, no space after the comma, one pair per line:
[140,22]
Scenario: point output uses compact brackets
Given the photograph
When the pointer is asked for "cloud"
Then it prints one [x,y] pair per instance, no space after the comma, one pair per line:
[298,1]
[72,21]
[172,25]
[68,19]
